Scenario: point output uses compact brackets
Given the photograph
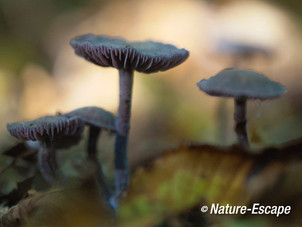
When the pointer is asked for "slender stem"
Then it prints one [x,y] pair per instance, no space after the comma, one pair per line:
[94,133]
[240,122]
[47,161]
[123,126]
[222,115]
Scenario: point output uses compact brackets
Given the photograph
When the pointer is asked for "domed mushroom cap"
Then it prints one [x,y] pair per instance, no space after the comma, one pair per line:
[94,116]
[241,83]
[147,57]
[242,49]
[53,127]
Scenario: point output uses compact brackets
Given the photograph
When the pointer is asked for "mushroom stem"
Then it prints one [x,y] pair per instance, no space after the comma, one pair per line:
[47,161]
[94,133]
[122,128]
[222,115]
[240,122]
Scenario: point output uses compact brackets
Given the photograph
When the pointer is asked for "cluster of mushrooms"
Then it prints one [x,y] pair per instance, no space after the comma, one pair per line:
[64,129]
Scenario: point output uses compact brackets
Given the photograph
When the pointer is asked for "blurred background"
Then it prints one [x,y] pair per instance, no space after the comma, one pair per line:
[40,74]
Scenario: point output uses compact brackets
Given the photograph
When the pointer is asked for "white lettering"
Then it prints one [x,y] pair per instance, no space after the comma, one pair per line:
[256,209]
[214,208]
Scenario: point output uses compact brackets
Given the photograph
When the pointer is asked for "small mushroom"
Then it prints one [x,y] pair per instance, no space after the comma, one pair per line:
[53,132]
[240,53]
[241,85]
[146,57]
[97,119]
[243,51]
[95,116]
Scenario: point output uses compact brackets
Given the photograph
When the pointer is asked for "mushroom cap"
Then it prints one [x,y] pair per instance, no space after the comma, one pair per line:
[241,84]
[243,49]
[94,116]
[147,56]
[53,127]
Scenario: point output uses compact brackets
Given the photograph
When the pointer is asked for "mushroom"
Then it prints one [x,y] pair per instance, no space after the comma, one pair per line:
[53,132]
[97,119]
[147,57]
[241,85]
[242,51]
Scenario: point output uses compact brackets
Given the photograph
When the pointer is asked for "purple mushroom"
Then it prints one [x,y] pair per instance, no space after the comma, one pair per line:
[146,57]
[97,119]
[53,132]
[239,51]
[241,85]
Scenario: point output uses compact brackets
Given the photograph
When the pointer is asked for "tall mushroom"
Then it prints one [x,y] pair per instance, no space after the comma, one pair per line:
[241,85]
[53,132]
[147,57]
[97,119]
